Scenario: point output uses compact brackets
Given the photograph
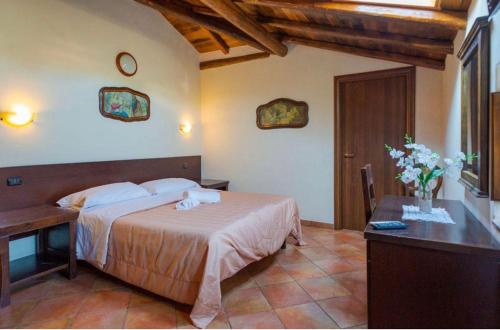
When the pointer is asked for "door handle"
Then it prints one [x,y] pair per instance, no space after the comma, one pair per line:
[348,155]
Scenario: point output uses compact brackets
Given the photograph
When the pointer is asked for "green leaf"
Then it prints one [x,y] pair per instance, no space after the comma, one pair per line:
[435,173]
[408,139]
[470,157]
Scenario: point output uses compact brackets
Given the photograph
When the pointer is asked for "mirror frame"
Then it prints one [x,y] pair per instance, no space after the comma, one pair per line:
[477,44]
[495,145]
[118,64]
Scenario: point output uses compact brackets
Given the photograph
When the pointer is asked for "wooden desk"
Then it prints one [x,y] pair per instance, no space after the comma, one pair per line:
[53,226]
[432,275]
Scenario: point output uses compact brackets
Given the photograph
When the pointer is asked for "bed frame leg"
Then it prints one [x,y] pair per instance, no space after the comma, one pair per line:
[284,245]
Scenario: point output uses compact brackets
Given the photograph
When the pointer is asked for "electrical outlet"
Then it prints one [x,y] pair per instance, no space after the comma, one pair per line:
[14,181]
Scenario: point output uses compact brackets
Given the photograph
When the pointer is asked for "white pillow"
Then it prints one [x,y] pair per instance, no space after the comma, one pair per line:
[101,195]
[162,186]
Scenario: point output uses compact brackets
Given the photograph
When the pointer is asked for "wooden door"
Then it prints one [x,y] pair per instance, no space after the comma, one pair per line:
[371,109]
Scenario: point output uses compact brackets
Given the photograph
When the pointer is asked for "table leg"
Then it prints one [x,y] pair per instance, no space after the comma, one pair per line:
[4,272]
[42,241]
[71,273]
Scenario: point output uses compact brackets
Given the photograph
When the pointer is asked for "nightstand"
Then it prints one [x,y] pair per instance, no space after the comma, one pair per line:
[55,230]
[214,184]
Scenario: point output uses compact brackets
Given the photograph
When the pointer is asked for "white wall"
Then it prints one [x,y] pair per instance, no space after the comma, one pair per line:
[55,55]
[296,162]
[485,210]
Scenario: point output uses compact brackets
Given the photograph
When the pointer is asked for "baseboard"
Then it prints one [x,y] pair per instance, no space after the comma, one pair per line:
[316,224]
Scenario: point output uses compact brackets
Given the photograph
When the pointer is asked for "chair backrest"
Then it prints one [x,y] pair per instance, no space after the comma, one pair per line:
[368,191]
[411,190]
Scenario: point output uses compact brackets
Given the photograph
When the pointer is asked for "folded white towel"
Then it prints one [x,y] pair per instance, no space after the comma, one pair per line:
[187,204]
[206,196]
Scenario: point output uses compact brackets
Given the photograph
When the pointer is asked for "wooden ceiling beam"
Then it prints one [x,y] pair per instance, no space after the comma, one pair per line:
[462,5]
[232,60]
[406,42]
[218,41]
[232,13]
[204,11]
[168,7]
[372,53]
[455,20]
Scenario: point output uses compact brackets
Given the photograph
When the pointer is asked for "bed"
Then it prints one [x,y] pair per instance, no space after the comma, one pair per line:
[184,255]
[181,255]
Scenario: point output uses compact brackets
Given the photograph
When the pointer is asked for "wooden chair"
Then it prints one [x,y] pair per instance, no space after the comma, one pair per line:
[411,189]
[368,191]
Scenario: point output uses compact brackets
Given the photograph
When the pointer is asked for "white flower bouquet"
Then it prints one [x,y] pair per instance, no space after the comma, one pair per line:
[419,164]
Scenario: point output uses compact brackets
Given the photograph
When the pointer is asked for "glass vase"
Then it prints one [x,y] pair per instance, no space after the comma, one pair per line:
[424,198]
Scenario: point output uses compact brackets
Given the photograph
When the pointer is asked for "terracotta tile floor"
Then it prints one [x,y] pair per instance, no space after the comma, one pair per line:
[321,285]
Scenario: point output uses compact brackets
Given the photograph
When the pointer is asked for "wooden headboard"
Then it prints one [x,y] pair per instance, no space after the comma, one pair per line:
[45,184]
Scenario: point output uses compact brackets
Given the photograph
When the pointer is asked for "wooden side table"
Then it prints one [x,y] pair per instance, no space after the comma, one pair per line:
[214,184]
[56,245]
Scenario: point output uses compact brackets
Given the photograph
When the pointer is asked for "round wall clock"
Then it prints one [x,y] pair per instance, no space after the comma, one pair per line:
[126,64]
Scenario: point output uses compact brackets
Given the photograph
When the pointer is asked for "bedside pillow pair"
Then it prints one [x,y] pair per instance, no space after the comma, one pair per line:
[122,191]
[101,195]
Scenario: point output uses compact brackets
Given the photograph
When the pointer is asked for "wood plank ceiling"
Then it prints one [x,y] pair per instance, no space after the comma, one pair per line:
[410,34]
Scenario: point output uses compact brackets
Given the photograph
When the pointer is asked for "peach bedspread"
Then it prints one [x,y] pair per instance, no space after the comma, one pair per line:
[184,255]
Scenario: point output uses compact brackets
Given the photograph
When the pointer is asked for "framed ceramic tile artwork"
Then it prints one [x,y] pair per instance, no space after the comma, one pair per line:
[282,113]
[123,103]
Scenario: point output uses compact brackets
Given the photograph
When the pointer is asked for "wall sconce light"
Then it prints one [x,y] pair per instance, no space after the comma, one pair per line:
[20,115]
[185,128]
